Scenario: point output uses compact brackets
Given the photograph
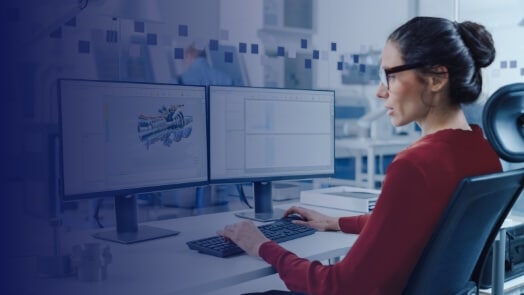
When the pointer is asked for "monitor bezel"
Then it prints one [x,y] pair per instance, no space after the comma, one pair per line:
[129,191]
[251,179]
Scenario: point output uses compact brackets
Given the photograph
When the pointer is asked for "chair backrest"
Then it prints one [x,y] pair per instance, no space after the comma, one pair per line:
[503,120]
[454,256]
[466,230]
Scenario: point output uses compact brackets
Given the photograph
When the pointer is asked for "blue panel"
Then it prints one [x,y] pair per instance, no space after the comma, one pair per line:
[345,168]
[355,58]
[333,46]
[242,47]
[307,63]
[362,68]
[152,39]
[179,53]
[316,54]
[503,64]
[513,64]
[139,27]
[183,30]
[254,48]
[303,43]
[280,51]
[340,65]
[83,46]
[213,44]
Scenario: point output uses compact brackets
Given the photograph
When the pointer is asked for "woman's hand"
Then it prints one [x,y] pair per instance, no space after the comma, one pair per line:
[246,235]
[314,219]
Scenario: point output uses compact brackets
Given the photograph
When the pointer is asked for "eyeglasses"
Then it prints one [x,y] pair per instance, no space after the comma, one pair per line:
[384,73]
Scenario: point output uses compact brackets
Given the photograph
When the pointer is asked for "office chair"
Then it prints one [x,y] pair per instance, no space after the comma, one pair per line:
[452,261]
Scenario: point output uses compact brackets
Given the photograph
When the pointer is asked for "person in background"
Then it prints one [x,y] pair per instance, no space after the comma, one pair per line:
[429,68]
[198,71]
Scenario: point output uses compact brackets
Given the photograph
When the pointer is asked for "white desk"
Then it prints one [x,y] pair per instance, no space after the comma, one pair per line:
[359,147]
[168,266]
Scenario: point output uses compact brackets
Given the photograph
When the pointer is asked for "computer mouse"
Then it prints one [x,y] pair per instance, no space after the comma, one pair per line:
[294,217]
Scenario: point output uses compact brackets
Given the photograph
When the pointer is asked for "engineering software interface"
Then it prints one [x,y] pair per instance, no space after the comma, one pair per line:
[126,135]
[265,132]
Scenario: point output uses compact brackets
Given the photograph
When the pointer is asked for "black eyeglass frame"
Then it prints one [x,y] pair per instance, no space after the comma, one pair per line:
[383,73]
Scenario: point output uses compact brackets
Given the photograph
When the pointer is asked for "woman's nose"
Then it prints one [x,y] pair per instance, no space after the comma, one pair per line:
[382,91]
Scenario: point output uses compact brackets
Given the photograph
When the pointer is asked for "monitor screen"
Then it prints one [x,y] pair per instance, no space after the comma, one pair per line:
[124,138]
[263,134]
[270,134]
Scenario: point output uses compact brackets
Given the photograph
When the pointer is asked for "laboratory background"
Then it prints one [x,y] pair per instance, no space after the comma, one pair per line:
[294,44]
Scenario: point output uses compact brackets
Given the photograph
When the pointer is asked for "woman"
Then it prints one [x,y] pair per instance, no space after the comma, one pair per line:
[430,66]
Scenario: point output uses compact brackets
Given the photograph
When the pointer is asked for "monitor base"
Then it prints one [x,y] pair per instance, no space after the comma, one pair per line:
[263,217]
[144,233]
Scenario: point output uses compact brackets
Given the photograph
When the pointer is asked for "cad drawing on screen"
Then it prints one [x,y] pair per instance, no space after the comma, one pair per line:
[168,126]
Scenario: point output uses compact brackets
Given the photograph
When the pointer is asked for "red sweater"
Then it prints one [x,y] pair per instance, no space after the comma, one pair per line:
[418,184]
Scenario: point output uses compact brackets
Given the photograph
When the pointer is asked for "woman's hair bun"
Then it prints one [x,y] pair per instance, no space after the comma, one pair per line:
[479,42]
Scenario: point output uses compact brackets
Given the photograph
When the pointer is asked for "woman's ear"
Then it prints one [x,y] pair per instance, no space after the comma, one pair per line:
[438,79]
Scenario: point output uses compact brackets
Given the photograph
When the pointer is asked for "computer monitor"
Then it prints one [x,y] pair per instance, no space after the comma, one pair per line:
[120,138]
[264,134]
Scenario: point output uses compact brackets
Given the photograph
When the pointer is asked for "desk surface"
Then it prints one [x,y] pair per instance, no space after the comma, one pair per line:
[168,266]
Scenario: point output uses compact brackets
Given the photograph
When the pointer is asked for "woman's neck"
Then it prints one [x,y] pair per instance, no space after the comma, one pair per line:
[449,118]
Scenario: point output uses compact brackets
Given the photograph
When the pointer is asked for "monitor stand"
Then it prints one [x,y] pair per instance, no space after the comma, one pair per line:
[264,210]
[127,229]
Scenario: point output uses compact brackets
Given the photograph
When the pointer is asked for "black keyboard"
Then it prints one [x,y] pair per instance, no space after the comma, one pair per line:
[278,231]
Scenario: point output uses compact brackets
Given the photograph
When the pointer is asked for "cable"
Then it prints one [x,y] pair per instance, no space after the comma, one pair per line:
[96,216]
[242,195]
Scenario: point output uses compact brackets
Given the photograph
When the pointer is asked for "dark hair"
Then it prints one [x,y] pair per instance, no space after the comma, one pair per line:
[463,48]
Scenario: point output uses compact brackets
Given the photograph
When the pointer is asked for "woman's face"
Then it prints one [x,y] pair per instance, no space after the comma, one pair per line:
[404,98]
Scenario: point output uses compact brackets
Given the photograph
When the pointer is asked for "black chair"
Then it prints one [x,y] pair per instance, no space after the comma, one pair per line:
[452,262]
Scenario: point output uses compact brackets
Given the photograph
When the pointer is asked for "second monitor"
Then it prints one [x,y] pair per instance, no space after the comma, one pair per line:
[264,134]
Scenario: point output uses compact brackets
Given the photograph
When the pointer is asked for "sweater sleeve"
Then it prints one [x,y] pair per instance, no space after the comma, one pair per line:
[353,224]
[298,274]
[383,256]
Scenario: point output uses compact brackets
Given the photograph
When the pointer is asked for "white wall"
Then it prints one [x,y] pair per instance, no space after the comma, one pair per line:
[501,18]
[356,26]
[441,8]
